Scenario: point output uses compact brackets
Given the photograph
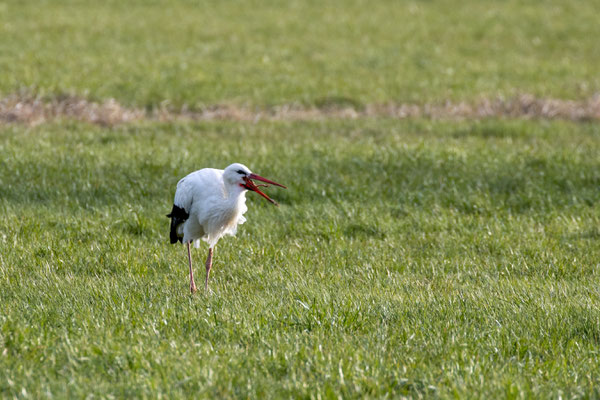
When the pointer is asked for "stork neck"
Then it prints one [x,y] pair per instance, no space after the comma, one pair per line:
[233,192]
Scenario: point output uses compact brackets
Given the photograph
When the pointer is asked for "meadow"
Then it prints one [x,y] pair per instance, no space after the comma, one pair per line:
[263,53]
[406,258]
[415,257]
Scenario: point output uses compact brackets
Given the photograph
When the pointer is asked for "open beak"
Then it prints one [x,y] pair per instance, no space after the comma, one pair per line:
[250,185]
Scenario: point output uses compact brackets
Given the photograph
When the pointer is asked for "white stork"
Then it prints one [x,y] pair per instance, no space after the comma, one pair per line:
[209,204]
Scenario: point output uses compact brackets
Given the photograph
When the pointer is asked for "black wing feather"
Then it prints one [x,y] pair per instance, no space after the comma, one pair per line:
[178,216]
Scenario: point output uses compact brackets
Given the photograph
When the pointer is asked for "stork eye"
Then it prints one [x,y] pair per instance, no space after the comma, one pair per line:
[239,171]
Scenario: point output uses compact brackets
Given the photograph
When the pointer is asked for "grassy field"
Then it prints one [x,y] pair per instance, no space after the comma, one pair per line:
[413,257]
[407,258]
[268,52]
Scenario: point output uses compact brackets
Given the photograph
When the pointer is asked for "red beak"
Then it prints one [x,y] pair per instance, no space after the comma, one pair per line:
[252,186]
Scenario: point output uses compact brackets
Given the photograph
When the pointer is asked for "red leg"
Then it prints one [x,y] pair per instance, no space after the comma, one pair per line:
[208,266]
[192,283]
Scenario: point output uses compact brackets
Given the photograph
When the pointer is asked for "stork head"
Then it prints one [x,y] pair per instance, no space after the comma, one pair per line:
[239,174]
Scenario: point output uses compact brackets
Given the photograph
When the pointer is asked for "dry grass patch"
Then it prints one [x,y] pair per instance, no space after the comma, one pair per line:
[34,110]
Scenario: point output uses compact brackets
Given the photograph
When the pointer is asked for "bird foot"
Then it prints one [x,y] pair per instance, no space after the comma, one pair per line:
[193,289]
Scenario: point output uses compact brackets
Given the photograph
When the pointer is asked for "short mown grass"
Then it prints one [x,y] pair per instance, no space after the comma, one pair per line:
[263,53]
[412,258]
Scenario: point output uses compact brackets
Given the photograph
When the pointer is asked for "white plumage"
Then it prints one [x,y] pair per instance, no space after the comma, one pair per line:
[216,207]
[209,204]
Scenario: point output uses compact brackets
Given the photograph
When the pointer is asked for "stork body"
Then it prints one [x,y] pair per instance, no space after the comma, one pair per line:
[209,204]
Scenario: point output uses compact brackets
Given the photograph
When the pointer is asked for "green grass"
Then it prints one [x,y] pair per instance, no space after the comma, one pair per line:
[407,259]
[259,53]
